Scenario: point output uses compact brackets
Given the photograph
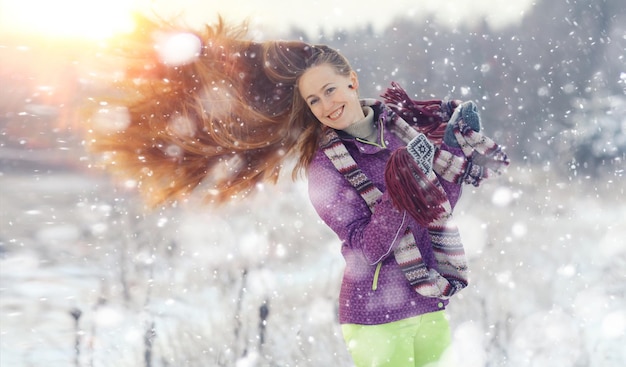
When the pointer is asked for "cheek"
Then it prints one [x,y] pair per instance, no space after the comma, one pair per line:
[317,111]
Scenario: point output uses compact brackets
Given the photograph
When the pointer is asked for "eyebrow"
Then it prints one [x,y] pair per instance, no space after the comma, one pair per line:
[321,89]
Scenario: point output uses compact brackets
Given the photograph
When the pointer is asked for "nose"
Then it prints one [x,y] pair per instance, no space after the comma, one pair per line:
[327,103]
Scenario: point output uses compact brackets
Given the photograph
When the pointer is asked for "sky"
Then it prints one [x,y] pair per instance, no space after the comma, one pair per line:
[100,19]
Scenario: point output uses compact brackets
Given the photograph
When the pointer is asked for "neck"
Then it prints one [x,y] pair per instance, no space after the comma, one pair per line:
[365,128]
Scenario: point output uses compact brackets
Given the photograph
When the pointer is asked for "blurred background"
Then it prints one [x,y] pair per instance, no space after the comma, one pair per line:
[89,278]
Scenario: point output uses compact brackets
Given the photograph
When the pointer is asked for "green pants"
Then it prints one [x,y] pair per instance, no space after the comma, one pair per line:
[416,341]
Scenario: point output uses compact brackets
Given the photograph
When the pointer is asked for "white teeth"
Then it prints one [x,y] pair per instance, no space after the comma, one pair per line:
[336,113]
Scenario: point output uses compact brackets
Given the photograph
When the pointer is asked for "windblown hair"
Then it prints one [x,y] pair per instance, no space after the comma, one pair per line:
[230,117]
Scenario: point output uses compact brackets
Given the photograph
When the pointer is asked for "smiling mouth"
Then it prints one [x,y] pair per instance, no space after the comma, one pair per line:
[335,115]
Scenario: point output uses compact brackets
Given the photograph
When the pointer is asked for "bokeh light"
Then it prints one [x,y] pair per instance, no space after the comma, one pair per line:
[67,18]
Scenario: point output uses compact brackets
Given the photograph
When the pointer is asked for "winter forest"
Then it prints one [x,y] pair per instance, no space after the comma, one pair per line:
[89,278]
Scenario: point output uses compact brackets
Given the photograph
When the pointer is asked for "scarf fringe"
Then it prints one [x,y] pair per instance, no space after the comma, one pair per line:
[411,190]
[428,116]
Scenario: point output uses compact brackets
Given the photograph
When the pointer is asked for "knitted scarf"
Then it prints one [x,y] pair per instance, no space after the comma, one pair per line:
[451,275]
[413,186]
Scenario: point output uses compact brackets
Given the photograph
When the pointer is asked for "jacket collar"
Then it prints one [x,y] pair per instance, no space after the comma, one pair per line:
[382,116]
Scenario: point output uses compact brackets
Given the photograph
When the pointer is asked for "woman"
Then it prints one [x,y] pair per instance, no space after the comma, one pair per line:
[236,111]
[384,321]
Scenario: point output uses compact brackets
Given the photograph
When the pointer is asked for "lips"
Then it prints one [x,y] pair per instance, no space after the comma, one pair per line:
[336,114]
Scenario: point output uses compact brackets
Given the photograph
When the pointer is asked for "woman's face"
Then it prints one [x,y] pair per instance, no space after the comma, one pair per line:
[332,97]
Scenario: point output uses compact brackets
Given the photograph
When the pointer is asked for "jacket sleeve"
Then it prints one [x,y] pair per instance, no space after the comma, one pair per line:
[341,207]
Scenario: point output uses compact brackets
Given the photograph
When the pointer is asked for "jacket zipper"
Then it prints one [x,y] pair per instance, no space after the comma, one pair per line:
[376,274]
[382,144]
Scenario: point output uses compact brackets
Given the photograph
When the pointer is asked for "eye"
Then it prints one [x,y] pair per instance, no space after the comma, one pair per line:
[312,101]
[330,90]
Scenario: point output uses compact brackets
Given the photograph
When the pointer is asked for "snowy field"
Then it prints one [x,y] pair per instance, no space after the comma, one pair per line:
[88,279]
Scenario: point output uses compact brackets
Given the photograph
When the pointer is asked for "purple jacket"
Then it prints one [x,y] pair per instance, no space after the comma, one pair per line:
[371,293]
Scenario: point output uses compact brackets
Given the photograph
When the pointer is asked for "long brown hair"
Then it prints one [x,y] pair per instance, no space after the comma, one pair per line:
[232,116]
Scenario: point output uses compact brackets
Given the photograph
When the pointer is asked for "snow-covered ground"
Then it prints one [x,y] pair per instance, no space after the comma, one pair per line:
[89,279]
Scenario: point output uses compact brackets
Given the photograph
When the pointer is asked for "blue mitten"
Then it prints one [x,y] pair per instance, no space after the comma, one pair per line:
[466,111]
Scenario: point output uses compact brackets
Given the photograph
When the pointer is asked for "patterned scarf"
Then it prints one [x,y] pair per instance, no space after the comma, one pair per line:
[419,192]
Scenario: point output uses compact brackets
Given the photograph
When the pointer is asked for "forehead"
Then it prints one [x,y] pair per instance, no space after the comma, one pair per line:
[316,77]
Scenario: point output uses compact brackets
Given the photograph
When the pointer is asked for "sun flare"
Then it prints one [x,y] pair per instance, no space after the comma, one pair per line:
[95,19]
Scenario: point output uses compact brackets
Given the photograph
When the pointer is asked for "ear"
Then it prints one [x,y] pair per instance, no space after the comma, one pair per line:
[354,80]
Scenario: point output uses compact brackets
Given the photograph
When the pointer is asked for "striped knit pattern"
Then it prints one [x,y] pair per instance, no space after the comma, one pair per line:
[475,145]
[451,274]
[345,164]
[472,141]
[450,167]
[446,241]
[450,256]
[403,130]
